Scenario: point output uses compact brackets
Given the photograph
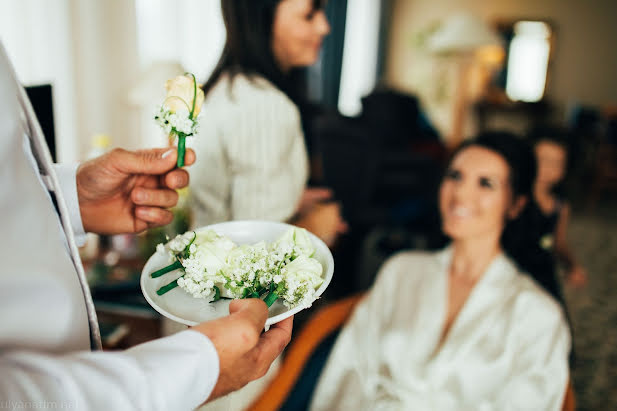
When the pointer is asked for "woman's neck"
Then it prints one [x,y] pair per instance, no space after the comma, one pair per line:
[544,197]
[471,257]
[543,190]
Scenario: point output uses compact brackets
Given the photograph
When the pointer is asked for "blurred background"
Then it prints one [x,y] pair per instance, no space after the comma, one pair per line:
[398,85]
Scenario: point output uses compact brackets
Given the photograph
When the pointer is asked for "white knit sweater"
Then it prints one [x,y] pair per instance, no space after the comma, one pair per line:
[251,157]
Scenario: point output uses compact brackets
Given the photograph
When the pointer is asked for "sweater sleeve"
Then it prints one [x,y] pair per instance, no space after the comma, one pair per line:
[252,161]
[267,158]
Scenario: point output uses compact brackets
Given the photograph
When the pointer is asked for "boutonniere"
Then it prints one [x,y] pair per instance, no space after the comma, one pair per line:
[178,115]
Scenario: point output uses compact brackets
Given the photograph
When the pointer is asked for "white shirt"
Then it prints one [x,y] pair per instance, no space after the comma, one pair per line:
[45,358]
[506,350]
[251,158]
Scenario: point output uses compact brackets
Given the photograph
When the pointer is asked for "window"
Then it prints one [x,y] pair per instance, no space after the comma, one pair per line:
[36,36]
[172,37]
[189,32]
[528,61]
[359,70]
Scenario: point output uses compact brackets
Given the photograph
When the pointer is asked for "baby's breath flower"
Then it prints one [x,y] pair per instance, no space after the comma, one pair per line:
[211,261]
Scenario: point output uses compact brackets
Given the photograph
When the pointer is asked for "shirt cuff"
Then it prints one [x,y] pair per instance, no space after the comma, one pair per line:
[183,367]
[67,177]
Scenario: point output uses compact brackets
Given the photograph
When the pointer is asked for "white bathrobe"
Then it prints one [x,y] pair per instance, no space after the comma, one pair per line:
[506,350]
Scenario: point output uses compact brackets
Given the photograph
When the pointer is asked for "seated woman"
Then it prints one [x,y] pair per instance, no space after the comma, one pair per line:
[462,328]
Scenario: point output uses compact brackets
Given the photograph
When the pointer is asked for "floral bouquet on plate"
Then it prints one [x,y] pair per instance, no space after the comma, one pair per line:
[214,268]
[179,112]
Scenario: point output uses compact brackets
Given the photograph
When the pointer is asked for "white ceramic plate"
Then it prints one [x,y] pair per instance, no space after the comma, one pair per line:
[180,306]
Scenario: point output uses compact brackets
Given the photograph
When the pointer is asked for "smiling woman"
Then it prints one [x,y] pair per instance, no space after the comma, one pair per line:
[253,159]
[463,328]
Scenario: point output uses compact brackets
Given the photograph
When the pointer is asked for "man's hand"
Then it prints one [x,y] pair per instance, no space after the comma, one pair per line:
[245,353]
[128,192]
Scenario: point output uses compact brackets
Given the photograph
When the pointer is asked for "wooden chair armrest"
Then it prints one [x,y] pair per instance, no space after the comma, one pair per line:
[323,323]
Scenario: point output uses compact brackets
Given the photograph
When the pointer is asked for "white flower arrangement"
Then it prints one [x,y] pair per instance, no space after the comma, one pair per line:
[178,116]
[214,267]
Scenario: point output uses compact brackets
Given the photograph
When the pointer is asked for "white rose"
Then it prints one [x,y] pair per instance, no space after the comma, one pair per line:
[297,237]
[304,270]
[180,91]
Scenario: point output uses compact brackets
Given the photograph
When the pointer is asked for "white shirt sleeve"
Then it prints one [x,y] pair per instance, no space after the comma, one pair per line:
[67,176]
[172,373]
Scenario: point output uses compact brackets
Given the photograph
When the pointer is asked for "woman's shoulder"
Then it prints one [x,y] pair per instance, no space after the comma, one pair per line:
[413,264]
[245,90]
[534,302]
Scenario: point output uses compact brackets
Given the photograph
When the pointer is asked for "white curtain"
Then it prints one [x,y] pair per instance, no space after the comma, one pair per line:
[359,68]
[94,53]
[173,36]
[190,32]
[36,35]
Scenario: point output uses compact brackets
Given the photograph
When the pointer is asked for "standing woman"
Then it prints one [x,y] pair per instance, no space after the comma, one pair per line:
[253,162]
[464,328]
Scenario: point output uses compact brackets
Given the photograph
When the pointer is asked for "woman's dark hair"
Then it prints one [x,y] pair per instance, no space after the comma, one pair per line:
[561,137]
[553,134]
[248,47]
[516,152]
[516,239]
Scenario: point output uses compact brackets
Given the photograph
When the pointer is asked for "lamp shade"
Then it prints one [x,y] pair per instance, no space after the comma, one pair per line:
[462,33]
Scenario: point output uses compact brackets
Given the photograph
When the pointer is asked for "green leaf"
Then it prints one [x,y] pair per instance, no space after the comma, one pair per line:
[217,294]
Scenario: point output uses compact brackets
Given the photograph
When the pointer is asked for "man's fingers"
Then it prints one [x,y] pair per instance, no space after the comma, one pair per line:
[272,343]
[178,178]
[158,198]
[189,157]
[253,310]
[286,325]
[152,161]
[154,216]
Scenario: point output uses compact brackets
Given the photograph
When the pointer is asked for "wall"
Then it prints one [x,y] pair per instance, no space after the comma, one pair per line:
[584,68]
[106,65]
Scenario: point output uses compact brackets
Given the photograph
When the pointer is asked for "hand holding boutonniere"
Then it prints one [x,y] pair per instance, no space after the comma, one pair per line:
[179,112]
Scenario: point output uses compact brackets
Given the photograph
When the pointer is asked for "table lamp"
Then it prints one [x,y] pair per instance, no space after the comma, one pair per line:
[461,36]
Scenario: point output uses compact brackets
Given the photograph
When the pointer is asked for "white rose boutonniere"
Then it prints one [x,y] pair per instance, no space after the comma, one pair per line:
[214,268]
[179,112]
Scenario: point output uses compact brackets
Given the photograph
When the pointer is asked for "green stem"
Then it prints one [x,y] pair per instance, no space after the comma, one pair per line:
[174,266]
[194,95]
[185,252]
[217,294]
[271,298]
[181,149]
[167,287]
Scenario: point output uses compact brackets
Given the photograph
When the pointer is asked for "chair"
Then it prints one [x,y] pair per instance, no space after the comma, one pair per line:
[325,322]
[322,325]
